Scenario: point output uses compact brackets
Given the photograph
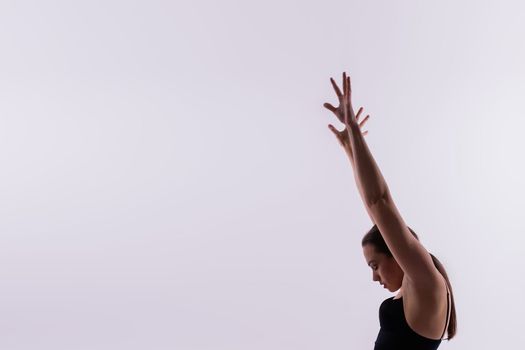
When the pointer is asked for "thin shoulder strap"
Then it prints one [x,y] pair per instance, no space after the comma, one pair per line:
[446,320]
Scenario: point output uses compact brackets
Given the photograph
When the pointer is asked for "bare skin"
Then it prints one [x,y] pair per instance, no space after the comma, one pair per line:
[385,270]
[425,308]
[425,312]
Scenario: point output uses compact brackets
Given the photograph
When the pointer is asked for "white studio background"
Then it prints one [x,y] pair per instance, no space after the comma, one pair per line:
[168,180]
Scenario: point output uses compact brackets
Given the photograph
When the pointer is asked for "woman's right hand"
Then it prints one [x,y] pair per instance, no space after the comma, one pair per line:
[343,136]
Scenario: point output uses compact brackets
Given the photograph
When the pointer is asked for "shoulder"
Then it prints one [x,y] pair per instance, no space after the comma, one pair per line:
[424,300]
[409,253]
[434,287]
[426,309]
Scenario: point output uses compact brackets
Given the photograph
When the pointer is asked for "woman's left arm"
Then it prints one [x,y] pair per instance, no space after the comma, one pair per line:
[370,182]
[410,254]
[373,186]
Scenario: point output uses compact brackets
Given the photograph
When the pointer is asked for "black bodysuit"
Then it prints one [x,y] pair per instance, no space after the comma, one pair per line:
[395,333]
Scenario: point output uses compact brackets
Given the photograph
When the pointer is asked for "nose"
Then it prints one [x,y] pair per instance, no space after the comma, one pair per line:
[375,277]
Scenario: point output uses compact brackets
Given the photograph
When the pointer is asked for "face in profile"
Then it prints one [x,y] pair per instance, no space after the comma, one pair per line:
[385,269]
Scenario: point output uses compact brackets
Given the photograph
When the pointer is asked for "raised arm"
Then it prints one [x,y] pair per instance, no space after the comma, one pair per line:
[369,179]
[343,136]
[412,257]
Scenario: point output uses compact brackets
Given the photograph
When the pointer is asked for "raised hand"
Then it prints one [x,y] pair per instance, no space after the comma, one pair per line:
[345,113]
[343,136]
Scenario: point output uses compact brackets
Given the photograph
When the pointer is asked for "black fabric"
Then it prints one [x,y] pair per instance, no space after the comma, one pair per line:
[396,334]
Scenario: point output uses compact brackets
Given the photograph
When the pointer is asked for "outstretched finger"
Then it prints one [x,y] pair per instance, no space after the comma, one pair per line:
[336,88]
[336,133]
[359,112]
[348,90]
[334,110]
[345,113]
[364,120]
[329,107]
[334,130]
[345,87]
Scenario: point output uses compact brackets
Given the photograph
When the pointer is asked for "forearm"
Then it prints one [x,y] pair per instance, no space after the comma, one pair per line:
[348,150]
[369,180]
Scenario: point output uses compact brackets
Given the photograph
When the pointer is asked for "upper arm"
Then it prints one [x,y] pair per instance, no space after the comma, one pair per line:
[410,254]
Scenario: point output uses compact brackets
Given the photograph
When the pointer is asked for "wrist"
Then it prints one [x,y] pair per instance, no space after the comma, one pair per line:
[353,126]
[349,153]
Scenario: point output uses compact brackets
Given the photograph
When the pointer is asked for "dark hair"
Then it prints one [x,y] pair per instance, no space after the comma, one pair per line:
[374,238]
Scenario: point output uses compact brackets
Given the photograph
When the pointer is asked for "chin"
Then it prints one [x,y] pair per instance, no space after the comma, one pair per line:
[390,289]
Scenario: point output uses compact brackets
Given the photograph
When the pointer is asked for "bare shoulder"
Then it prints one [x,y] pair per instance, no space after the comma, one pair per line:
[427,295]
[426,308]
[413,258]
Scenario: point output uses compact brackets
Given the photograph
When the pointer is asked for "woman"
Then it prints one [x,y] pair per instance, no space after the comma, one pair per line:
[423,309]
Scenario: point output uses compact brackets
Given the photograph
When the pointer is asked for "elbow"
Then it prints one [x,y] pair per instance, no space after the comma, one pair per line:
[384,197]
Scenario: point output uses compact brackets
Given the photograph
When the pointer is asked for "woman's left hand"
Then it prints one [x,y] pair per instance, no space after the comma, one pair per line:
[345,113]
[344,136]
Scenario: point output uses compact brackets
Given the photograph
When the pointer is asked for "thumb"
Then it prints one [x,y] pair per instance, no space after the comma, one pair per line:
[336,133]
[329,107]
[333,129]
